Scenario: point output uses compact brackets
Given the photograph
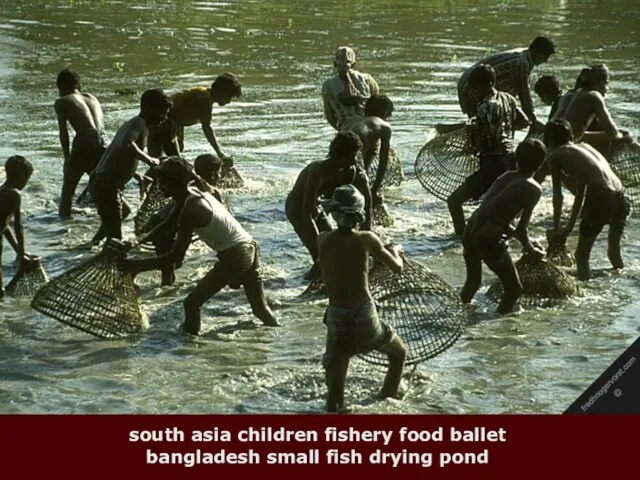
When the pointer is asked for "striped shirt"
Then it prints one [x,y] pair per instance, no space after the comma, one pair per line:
[513,68]
[493,131]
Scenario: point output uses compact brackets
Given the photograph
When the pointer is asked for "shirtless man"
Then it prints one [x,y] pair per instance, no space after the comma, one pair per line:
[485,236]
[119,163]
[18,170]
[190,107]
[84,113]
[351,319]
[238,253]
[513,69]
[548,89]
[344,95]
[320,178]
[584,105]
[601,190]
[492,134]
[371,129]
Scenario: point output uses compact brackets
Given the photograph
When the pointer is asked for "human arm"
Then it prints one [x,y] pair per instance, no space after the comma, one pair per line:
[11,238]
[310,209]
[390,255]
[135,141]
[521,231]
[575,210]
[63,129]
[385,145]
[327,105]
[361,182]
[15,201]
[608,129]
[213,141]
[556,181]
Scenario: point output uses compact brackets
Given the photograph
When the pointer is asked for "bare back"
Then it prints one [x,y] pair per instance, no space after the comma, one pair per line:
[371,130]
[8,198]
[580,108]
[586,164]
[81,110]
[344,263]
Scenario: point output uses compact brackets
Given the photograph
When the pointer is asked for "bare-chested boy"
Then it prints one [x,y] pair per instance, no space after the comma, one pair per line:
[352,321]
[238,253]
[584,105]
[18,171]
[548,89]
[119,163]
[83,111]
[190,107]
[371,129]
[492,135]
[598,187]
[485,236]
[320,178]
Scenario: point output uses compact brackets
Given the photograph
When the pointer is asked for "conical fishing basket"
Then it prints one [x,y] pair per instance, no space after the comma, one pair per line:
[394,175]
[543,283]
[315,289]
[85,199]
[229,178]
[559,254]
[153,202]
[445,162]
[95,296]
[625,162]
[424,310]
[28,280]
[381,216]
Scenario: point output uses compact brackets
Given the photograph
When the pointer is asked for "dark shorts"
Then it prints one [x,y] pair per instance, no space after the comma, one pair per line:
[111,206]
[491,167]
[239,265]
[354,331]
[485,239]
[87,149]
[603,207]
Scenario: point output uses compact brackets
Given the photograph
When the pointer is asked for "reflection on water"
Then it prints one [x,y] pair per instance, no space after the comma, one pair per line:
[536,361]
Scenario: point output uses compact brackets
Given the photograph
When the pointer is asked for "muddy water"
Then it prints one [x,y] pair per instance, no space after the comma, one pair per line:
[537,361]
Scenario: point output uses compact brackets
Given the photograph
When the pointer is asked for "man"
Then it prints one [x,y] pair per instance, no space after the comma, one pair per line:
[597,186]
[492,135]
[512,68]
[83,111]
[119,163]
[372,129]
[238,253]
[18,171]
[193,106]
[548,89]
[344,95]
[584,105]
[320,178]
[352,321]
[485,237]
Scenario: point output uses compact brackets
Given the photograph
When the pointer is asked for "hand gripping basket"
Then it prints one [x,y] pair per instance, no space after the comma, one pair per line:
[28,280]
[394,175]
[444,163]
[95,296]
[229,178]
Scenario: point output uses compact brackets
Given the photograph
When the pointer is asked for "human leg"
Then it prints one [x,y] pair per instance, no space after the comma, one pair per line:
[473,263]
[397,353]
[214,281]
[71,177]
[500,262]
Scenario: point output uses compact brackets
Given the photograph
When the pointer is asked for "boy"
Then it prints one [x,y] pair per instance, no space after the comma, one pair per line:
[597,185]
[492,135]
[83,111]
[320,178]
[351,318]
[190,107]
[548,89]
[18,171]
[238,253]
[485,236]
[119,163]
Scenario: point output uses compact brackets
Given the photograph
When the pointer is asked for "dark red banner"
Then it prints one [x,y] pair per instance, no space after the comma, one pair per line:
[204,446]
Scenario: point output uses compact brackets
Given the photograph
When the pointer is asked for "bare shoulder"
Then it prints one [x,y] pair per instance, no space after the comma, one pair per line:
[368,239]
[10,196]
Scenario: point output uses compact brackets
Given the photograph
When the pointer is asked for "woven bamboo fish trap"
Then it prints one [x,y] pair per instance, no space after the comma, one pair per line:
[559,254]
[423,309]
[153,202]
[625,162]
[381,216]
[85,200]
[544,284]
[445,162]
[28,280]
[229,178]
[394,175]
[95,296]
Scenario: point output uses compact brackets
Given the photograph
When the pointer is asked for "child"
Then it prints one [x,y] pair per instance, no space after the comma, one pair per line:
[18,170]
[548,89]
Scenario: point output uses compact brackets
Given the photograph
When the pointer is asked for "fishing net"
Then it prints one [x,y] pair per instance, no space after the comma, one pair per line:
[28,280]
[544,284]
[558,253]
[625,162]
[95,296]
[444,163]
[381,216]
[424,310]
[153,202]
[229,178]
[394,175]
[85,200]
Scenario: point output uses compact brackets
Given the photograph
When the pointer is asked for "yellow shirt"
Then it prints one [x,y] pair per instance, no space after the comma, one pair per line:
[192,106]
